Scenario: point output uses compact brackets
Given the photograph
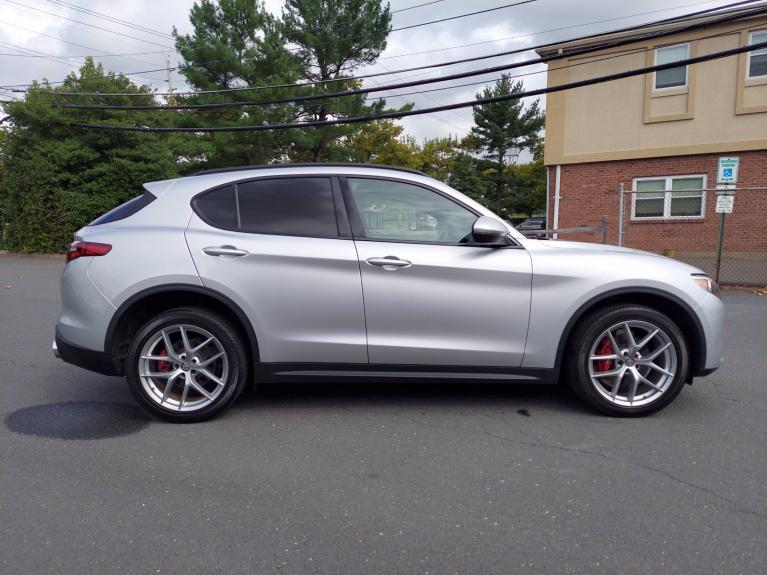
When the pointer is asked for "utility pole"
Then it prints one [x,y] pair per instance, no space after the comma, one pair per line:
[168,79]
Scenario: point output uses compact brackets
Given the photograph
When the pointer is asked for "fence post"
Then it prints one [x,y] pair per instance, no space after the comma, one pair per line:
[603,229]
[621,192]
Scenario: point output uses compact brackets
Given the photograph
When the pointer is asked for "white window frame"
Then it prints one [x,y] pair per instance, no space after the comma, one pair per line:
[686,69]
[667,193]
[748,60]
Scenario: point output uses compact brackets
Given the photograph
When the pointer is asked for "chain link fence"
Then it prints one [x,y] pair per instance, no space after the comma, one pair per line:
[680,219]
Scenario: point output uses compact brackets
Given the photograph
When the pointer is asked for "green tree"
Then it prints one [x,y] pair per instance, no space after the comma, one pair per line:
[236,44]
[334,38]
[381,142]
[504,129]
[466,178]
[57,177]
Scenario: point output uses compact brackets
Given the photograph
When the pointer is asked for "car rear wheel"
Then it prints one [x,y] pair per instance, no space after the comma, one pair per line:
[628,360]
[186,365]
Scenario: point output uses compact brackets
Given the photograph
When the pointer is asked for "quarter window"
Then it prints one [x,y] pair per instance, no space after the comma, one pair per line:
[669,197]
[671,77]
[398,211]
[279,206]
[757,60]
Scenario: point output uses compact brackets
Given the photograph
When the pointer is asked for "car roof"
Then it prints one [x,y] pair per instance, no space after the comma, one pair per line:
[307,165]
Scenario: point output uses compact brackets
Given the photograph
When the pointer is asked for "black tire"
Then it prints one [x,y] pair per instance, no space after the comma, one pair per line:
[228,337]
[586,336]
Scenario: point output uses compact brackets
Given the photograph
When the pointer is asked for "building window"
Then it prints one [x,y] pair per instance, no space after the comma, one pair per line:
[669,197]
[757,60]
[671,77]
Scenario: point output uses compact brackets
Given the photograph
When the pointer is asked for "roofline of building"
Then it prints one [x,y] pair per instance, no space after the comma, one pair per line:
[638,34]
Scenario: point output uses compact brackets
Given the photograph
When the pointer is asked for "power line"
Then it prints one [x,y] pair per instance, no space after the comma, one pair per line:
[519,36]
[467,104]
[442,64]
[417,6]
[364,90]
[80,57]
[526,74]
[86,24]
[112,19]
[335,41]
[462,15]
[239,89]
[73,44]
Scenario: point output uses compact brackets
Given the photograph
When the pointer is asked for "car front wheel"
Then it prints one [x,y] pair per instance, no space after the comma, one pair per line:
[186,365]
[628,360]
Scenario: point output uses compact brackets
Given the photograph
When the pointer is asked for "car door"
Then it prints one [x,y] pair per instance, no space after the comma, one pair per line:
[432,298]
[277,247]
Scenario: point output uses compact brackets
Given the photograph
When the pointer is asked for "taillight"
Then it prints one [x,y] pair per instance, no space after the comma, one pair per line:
[80,249]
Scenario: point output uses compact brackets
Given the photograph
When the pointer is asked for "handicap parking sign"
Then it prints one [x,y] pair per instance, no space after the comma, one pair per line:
[728,170]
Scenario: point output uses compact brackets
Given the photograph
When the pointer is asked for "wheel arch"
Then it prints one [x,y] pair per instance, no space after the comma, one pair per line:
[672,306]
[140,307]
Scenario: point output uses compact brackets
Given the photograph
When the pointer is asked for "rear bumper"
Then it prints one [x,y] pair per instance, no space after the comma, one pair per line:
[98,361]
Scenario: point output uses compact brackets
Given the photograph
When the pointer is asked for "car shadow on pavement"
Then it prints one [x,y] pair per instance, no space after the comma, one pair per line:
[78,420]
[526,398]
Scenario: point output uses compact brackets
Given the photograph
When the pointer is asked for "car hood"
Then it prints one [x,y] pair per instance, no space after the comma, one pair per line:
[562,244]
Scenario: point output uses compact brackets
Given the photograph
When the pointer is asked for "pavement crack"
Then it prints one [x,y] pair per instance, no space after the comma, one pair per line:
[540,444]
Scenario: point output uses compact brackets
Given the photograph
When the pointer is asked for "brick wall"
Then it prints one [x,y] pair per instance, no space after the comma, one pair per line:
[587,191]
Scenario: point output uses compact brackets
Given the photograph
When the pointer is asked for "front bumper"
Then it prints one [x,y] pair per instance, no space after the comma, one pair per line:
[98,361]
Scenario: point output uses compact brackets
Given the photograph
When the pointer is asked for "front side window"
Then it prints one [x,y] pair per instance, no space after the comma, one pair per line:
[671,77]
[397,211]
[669,197]
[757,60]
[279,206]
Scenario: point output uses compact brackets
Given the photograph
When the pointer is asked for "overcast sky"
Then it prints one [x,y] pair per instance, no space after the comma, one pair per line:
[515,27]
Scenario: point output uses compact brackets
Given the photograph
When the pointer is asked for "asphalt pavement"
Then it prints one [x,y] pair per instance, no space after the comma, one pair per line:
[386,479]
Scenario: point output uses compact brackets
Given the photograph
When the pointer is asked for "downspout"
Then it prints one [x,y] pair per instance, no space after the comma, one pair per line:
[557,181]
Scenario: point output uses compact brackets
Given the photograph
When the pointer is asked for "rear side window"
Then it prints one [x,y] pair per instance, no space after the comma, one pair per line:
[218,208]
[125,210]
[281,206]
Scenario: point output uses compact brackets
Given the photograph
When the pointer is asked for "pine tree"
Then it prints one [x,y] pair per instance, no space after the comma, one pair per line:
[235,44]
[334,38]
[504,129]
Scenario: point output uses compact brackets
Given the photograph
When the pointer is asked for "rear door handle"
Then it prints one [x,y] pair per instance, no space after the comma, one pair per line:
[224,251]
[389,262]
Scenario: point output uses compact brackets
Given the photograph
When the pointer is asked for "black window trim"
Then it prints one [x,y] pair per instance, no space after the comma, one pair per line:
[344,231]
[358,230]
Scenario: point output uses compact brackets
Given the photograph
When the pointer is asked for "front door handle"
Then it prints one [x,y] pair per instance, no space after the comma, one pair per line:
[389,262]
[224,251]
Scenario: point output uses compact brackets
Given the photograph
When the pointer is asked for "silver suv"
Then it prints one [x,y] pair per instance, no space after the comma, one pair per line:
[206,284]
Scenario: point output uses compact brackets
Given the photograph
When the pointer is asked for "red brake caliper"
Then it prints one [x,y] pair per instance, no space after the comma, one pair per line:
[605,348]
[163,365]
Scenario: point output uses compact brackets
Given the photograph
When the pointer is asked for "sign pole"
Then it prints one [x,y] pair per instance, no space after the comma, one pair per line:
[722,218]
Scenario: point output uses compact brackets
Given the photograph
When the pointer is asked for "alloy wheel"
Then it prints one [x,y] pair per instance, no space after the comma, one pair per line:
[632,363]
[183,367]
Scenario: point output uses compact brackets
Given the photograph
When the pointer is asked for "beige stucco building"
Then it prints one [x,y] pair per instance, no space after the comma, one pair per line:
[662,133]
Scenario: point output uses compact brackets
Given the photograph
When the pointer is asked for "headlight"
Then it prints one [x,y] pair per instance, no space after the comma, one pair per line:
[707,284]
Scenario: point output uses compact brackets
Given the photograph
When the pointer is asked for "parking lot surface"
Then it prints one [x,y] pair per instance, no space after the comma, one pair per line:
[353,478]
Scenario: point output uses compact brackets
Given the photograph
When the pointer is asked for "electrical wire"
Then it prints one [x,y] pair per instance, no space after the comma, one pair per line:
[416,6]
[122,34]
[462,15]
[509,52]
[112,19]
[466,104]
[436,65]
[367,90]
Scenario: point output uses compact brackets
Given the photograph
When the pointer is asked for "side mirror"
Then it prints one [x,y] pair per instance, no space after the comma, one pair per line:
[489,231]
